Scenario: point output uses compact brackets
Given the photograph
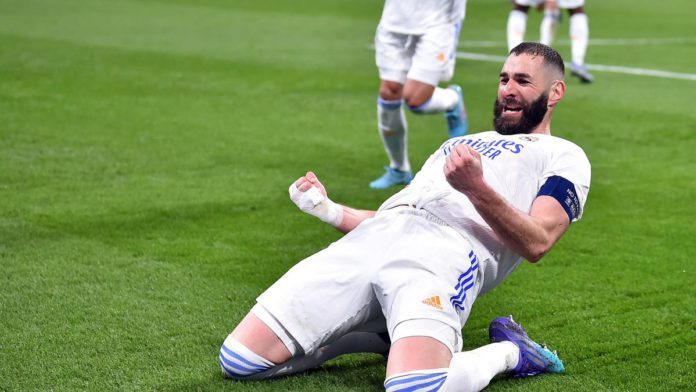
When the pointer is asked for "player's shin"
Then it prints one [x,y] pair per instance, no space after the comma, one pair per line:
[443,99]
[579,36]
[549,26]
[469,371]
[391,122]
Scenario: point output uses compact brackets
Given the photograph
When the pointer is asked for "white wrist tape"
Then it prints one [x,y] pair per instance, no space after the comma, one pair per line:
[314,203]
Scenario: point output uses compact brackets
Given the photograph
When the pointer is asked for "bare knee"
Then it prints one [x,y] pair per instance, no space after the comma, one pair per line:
[416,353]
[417,93]
[390,90]
[419,361]
[250,349]
[259,338]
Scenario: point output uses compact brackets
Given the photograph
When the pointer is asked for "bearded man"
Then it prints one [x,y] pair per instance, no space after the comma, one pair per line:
[405,277]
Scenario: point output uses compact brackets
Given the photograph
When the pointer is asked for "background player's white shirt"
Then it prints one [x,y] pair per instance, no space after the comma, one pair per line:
[416,16]
[515,166]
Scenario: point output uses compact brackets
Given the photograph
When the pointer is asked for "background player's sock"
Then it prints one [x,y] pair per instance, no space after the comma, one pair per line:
[579,36]
[516,26]
[352,342]
[391,121]
[549,25]
[443,99]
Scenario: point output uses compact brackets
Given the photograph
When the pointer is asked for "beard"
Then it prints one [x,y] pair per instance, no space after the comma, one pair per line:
[532,115]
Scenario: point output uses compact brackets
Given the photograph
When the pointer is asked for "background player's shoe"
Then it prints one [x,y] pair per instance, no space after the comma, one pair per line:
[391,178]
[457,121]
[580,71]
[534,359]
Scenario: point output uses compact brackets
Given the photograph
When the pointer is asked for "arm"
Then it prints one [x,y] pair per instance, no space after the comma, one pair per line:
[310,196]
[530,235]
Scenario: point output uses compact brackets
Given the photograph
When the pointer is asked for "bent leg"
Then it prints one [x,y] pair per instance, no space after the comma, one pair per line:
[250,349]
[425,364]
[417,93]
[420,355]
[254,352]
[259,338]
[423,98]
[511,351]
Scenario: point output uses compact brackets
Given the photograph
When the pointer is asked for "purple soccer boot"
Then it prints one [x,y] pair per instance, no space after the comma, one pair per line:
[534,358]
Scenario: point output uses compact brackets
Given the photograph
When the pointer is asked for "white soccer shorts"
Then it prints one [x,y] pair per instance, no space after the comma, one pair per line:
[427,58]
[565,4]
[402,265]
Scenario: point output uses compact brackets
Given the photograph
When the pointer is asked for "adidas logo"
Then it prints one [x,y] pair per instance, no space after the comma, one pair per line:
[433,301]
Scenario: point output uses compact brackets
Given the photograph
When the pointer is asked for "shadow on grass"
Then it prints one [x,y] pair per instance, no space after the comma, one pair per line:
[366,373]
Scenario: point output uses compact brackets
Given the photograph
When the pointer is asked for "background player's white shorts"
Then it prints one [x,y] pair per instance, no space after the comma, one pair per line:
[565,4]
[427,58]
[401,267]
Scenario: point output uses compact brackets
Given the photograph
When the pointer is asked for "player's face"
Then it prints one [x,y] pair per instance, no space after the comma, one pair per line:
[522,100]
[532,115]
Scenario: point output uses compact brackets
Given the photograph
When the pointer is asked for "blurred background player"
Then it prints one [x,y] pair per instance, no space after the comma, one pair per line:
[579,29]
[415,47]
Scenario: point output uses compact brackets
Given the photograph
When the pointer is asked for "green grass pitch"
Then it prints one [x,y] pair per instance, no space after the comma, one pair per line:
[146,148]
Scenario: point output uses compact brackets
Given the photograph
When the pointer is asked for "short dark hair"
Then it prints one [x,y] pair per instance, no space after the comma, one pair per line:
[551,57]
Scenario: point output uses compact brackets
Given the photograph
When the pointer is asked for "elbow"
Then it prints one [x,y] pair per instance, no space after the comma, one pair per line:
[535,253]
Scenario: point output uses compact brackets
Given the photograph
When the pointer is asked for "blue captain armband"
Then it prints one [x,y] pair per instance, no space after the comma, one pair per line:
[564,191]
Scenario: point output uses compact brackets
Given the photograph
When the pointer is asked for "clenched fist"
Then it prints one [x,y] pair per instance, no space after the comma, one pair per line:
[463,169]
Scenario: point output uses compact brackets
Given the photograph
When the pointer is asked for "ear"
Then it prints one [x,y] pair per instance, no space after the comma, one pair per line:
[556,92]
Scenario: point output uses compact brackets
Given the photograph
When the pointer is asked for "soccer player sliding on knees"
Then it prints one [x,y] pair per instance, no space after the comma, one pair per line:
[403,280]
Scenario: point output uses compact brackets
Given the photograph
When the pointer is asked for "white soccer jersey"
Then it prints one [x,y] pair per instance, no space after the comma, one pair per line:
[516,166]
[416,16]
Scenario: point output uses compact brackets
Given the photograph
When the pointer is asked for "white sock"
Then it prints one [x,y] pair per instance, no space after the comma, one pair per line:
[516,25]
[353,342]
[443,99]
[548,26]
[579,35]
[391,122]
[471,371]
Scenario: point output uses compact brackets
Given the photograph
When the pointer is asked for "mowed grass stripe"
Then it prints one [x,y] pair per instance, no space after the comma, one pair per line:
[145,158]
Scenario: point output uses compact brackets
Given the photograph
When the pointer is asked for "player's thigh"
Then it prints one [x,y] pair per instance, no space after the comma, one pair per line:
[322,297]
[393,52]
[416,303]
[433,274]
[435,55]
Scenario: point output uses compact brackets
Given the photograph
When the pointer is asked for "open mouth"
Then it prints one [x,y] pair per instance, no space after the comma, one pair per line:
[512,109]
